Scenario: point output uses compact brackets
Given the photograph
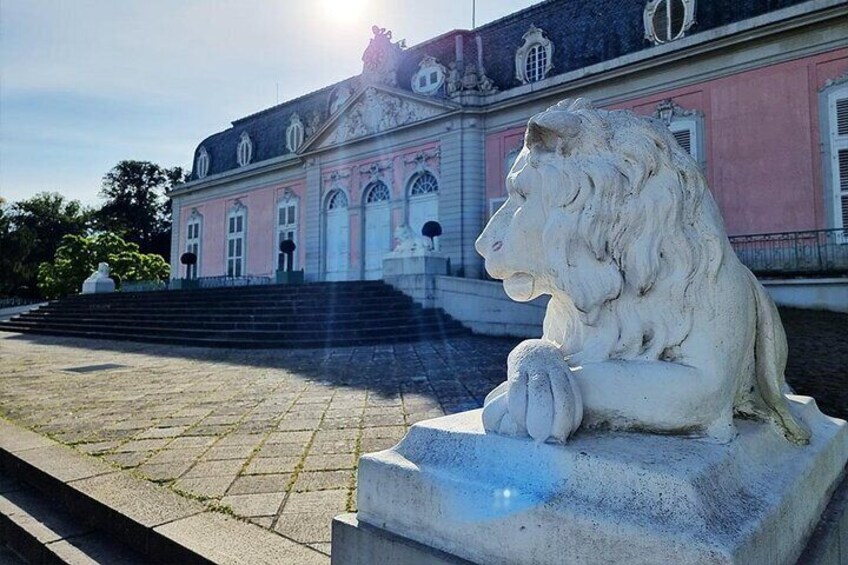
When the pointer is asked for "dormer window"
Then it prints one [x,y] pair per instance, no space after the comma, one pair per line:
[201,166]
[430,76]
[534,59]
[245,150]
[294,134]
[667,20]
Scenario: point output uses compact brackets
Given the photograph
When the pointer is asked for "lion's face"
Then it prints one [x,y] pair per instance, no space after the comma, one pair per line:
[513,241]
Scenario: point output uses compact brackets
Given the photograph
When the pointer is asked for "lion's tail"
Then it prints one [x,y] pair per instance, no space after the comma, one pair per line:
[770,351]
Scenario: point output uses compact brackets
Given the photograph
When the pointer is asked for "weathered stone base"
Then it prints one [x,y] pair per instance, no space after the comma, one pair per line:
[415,275]
[355,543]
[97,286]
[605,497]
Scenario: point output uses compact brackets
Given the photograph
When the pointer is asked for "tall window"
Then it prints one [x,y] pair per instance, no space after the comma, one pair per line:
[287,212]
[236,240]
[193,244]
[835,100]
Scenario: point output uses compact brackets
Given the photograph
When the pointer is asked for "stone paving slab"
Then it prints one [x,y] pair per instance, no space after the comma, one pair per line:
[271,436]
[222,425]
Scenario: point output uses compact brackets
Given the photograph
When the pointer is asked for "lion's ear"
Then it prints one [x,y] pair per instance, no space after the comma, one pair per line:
[548,128]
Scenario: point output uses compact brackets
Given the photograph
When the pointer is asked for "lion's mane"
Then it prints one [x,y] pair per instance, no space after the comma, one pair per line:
[642,227]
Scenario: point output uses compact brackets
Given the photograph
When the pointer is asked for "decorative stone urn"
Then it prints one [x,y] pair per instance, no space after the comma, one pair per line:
[99,281]
[651,422]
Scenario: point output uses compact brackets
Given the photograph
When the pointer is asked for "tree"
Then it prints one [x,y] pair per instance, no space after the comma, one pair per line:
[30,232]
[137,207]
[78,256]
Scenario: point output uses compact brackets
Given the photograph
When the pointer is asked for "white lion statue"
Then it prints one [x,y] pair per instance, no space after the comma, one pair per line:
[408,243]
[653,324]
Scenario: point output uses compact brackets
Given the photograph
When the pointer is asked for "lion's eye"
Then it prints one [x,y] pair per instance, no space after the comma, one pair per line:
[520,193]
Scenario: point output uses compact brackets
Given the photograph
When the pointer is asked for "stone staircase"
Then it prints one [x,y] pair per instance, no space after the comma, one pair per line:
[299,316]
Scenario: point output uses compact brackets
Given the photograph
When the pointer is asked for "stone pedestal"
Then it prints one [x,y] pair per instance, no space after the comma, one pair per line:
[414,274]
[450,489]
[289,277]
[95,285]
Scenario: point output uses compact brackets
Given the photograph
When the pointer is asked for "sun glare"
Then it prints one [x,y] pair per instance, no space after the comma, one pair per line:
[343,11]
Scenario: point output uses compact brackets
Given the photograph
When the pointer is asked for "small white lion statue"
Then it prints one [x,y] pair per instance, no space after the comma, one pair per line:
[410,244]
[653,324]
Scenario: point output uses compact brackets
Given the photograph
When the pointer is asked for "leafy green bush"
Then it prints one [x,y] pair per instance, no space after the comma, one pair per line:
[78,256]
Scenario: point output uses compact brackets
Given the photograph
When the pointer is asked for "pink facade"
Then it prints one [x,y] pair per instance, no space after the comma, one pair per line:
[261,246]
[761,143]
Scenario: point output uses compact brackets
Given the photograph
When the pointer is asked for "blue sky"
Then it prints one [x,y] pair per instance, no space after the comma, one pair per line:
[87,83]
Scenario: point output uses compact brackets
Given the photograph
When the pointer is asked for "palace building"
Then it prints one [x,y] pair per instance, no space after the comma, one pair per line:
[755,90]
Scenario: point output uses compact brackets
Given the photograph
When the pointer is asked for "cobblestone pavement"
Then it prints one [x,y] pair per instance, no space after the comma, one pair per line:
[275,435]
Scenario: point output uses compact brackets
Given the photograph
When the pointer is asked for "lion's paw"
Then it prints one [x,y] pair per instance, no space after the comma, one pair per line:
[540,397]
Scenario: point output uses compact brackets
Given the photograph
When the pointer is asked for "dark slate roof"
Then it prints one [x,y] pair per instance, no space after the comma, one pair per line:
[583,32]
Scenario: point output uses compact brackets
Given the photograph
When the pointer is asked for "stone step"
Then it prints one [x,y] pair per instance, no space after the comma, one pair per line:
[284,333]
[241,342]
[265,323]
[308,316]
[37,530]
[236,309]
[138,518]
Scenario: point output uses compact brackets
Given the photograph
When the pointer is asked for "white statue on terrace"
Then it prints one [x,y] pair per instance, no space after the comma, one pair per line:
[410,244]
[99,281]
[654,325]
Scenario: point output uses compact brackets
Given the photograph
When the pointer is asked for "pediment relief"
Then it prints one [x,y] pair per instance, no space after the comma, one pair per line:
[375,110]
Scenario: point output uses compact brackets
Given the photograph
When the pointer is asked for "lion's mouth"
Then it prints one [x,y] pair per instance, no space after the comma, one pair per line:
[520,287]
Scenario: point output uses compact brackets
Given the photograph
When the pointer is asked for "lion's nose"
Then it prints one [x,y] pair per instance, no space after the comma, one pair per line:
[496,246]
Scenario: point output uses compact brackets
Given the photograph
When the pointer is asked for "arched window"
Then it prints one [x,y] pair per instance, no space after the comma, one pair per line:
[534,59]
[535,63]
[245,150]
[377,191]
[236,240]
[424,183]
[667,20]
[337,200]
[202,165]
[294,134]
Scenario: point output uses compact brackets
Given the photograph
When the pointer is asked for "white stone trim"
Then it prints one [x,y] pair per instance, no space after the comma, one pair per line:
[533,38]
[244,150]
[294,133]
[202,163]
[427,68]
[648,19]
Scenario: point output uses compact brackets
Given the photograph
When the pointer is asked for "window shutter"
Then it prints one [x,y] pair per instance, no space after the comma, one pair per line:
[842,117]
[843,183]
[684,139]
